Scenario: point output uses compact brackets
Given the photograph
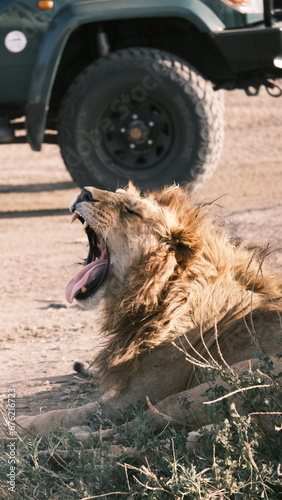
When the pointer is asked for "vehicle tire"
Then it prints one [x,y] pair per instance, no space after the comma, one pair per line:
[144,115]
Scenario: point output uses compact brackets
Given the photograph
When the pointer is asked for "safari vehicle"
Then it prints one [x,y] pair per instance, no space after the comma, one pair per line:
[130,89]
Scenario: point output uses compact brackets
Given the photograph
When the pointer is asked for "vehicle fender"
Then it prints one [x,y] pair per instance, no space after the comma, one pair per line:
[76,14]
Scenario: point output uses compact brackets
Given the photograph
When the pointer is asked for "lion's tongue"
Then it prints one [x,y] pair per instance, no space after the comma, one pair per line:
[85,275]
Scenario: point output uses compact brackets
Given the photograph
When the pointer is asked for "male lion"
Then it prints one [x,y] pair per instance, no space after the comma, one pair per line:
[177,295]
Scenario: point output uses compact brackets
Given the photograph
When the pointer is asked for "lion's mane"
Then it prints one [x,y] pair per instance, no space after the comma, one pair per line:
[211,278]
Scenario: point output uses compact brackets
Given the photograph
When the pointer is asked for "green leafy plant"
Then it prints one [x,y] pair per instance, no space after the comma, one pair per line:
[237,458]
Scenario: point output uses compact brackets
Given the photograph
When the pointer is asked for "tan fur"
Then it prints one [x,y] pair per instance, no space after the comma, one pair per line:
[176,288]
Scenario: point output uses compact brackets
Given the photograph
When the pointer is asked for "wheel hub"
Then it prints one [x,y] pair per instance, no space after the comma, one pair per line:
[140,140]
[137,132]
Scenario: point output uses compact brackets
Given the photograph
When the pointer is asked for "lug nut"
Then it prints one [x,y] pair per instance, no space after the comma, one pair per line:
[150,142]
[134,117]
[132,146]
[151,124]
[122,130]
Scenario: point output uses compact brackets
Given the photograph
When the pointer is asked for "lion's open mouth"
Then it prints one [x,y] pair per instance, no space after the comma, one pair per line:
[88,279]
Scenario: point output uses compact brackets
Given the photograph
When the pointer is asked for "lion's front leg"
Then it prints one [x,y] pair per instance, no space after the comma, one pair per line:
[42,424]
[184,409]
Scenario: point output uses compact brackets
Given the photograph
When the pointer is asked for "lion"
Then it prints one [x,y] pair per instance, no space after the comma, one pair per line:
[176,295]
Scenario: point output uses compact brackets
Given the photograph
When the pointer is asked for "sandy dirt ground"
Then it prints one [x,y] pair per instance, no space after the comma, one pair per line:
[42,335]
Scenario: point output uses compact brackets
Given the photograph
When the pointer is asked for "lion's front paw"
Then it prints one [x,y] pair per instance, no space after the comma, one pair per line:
[36,425]
[44,423]
[82,432]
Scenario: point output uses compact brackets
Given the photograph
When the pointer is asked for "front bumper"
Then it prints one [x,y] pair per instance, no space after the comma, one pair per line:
[254,50]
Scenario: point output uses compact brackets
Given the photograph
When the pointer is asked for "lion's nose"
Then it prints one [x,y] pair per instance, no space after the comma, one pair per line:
[85,195]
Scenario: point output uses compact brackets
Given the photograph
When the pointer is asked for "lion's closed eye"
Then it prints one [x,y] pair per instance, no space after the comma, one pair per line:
[132,211]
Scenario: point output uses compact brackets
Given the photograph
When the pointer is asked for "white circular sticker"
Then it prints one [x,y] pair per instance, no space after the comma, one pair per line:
[15,41]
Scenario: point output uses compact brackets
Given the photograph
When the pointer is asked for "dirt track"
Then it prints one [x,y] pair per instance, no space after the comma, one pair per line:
[41,335]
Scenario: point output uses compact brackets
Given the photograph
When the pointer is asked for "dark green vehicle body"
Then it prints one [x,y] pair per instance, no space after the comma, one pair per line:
[230,49]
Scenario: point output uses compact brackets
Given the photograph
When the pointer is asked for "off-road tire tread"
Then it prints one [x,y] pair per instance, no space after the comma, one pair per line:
[212,103]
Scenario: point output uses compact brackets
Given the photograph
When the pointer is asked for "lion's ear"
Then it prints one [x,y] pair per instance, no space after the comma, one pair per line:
[185,244]
[131,189]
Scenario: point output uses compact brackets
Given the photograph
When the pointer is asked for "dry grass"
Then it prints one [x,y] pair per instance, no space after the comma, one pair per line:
[238,458]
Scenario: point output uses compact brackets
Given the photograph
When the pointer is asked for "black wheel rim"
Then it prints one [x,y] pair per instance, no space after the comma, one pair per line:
[138,136]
